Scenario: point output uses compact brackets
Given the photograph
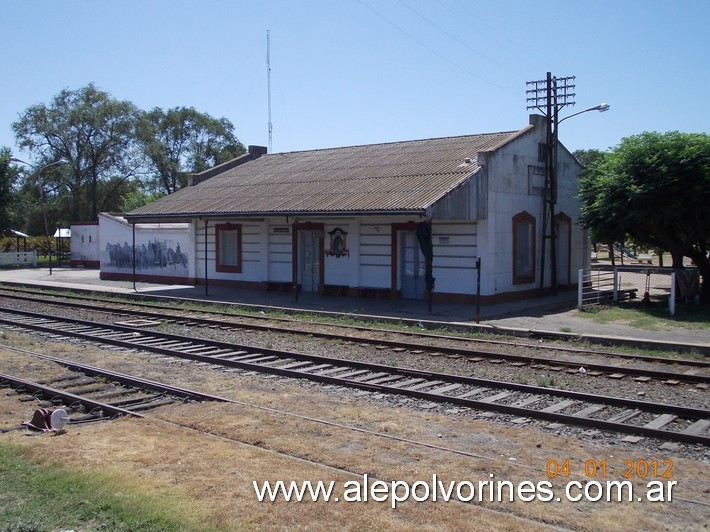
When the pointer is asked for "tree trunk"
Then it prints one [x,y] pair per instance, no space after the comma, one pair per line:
[677,259]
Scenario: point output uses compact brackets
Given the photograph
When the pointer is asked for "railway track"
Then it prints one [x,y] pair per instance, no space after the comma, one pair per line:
[615,414]
[687,373]
[96,394]
[249,320]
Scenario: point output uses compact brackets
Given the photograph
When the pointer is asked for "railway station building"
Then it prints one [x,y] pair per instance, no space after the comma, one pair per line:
[380,220]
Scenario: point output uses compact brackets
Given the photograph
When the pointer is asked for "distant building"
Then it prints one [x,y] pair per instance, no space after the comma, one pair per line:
[84,245]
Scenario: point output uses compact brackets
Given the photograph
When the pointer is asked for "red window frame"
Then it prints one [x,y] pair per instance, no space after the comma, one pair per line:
[228,268]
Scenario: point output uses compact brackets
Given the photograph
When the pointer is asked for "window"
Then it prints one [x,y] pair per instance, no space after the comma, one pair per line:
[542,152]
[229,248]
[523,248]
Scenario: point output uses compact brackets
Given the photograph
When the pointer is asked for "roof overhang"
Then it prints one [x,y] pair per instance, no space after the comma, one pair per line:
[189,217]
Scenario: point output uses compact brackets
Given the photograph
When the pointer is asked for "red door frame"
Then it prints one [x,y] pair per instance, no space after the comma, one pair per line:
[396,228]
[562,218]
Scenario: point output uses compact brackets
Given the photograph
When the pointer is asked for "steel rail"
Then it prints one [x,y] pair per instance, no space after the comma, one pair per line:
[219,352]
[130,380]
[90,404]
[533,334]
[413,346]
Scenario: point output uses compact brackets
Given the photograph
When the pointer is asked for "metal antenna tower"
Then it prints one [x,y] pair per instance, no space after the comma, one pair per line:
[549,96]
[268,84]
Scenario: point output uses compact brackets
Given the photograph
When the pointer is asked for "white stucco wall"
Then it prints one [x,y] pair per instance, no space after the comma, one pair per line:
[516,177]
[162,250]
[85,246]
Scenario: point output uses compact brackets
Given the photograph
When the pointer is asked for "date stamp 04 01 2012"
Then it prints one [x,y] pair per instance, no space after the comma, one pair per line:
[633,469]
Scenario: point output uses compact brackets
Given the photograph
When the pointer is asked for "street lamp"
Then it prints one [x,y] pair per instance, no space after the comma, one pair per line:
[40,188]
[602,107]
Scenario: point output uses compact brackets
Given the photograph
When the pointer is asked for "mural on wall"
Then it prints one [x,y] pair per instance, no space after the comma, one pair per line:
[157,256]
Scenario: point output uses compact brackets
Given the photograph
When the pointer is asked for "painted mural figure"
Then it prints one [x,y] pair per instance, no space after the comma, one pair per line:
[154,255]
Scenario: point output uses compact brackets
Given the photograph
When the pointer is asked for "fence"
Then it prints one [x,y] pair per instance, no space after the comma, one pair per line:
[18,257]
[652,286]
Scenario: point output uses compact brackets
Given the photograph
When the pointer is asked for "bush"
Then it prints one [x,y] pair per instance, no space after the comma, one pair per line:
[34,243]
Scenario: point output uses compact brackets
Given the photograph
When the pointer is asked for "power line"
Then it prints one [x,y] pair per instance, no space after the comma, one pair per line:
[462,43]
[430,49]
[515,45]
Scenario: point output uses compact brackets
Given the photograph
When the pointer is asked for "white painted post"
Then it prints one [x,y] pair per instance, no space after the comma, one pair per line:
[580,288]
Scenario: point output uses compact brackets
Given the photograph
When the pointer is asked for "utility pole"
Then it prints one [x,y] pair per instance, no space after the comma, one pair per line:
[549,96]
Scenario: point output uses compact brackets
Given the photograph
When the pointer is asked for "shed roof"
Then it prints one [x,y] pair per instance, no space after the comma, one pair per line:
[397,177]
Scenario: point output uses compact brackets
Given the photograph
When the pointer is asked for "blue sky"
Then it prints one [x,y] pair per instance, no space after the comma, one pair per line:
[349,72]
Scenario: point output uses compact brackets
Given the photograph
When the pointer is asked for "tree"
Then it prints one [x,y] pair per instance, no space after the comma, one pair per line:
[603,225]
[93,133]
[655,188]
[8,177]
[181,140]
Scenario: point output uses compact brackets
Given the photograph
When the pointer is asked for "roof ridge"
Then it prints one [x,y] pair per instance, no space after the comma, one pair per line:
[390,143]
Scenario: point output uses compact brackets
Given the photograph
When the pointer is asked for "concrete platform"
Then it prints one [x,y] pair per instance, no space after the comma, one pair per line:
[543,316]
[88,279]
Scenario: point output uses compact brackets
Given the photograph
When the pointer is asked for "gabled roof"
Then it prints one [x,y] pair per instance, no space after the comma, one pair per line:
[397,177]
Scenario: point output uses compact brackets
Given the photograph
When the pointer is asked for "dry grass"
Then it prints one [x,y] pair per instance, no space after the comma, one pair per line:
[235,444]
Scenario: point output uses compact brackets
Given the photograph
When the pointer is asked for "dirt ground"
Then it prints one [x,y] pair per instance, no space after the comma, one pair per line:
[213,452]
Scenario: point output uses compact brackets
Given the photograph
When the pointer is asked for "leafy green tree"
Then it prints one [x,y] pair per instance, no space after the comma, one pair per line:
[39,200]
[602,228]
[8,196]
[589,157]
[656,188]
[94,134]
[182,140]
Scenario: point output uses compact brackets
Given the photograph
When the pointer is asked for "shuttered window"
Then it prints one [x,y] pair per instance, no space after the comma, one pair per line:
[523,248]
[229,248]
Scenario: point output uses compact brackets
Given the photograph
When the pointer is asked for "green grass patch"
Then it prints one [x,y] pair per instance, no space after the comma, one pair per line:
[45,497]
[546,381]
[653,318]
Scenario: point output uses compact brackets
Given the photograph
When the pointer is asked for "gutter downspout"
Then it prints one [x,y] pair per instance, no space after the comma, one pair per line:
[206,277]
[133,230]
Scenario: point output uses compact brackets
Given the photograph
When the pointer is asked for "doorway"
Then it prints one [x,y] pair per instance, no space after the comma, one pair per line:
[412,266]
[563,244]
[309,258]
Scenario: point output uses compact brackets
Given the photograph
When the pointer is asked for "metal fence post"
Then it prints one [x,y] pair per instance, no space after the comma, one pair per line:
[616,285]
[671,300]
[580,288]
[478,289]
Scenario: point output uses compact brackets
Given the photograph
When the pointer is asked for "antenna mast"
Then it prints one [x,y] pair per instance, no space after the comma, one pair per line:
[268,82]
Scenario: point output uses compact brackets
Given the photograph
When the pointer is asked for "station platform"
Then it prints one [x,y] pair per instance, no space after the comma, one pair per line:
[88,279]
[540,316]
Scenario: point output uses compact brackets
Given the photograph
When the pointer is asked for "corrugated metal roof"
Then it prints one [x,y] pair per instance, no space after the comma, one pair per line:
[405,176]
